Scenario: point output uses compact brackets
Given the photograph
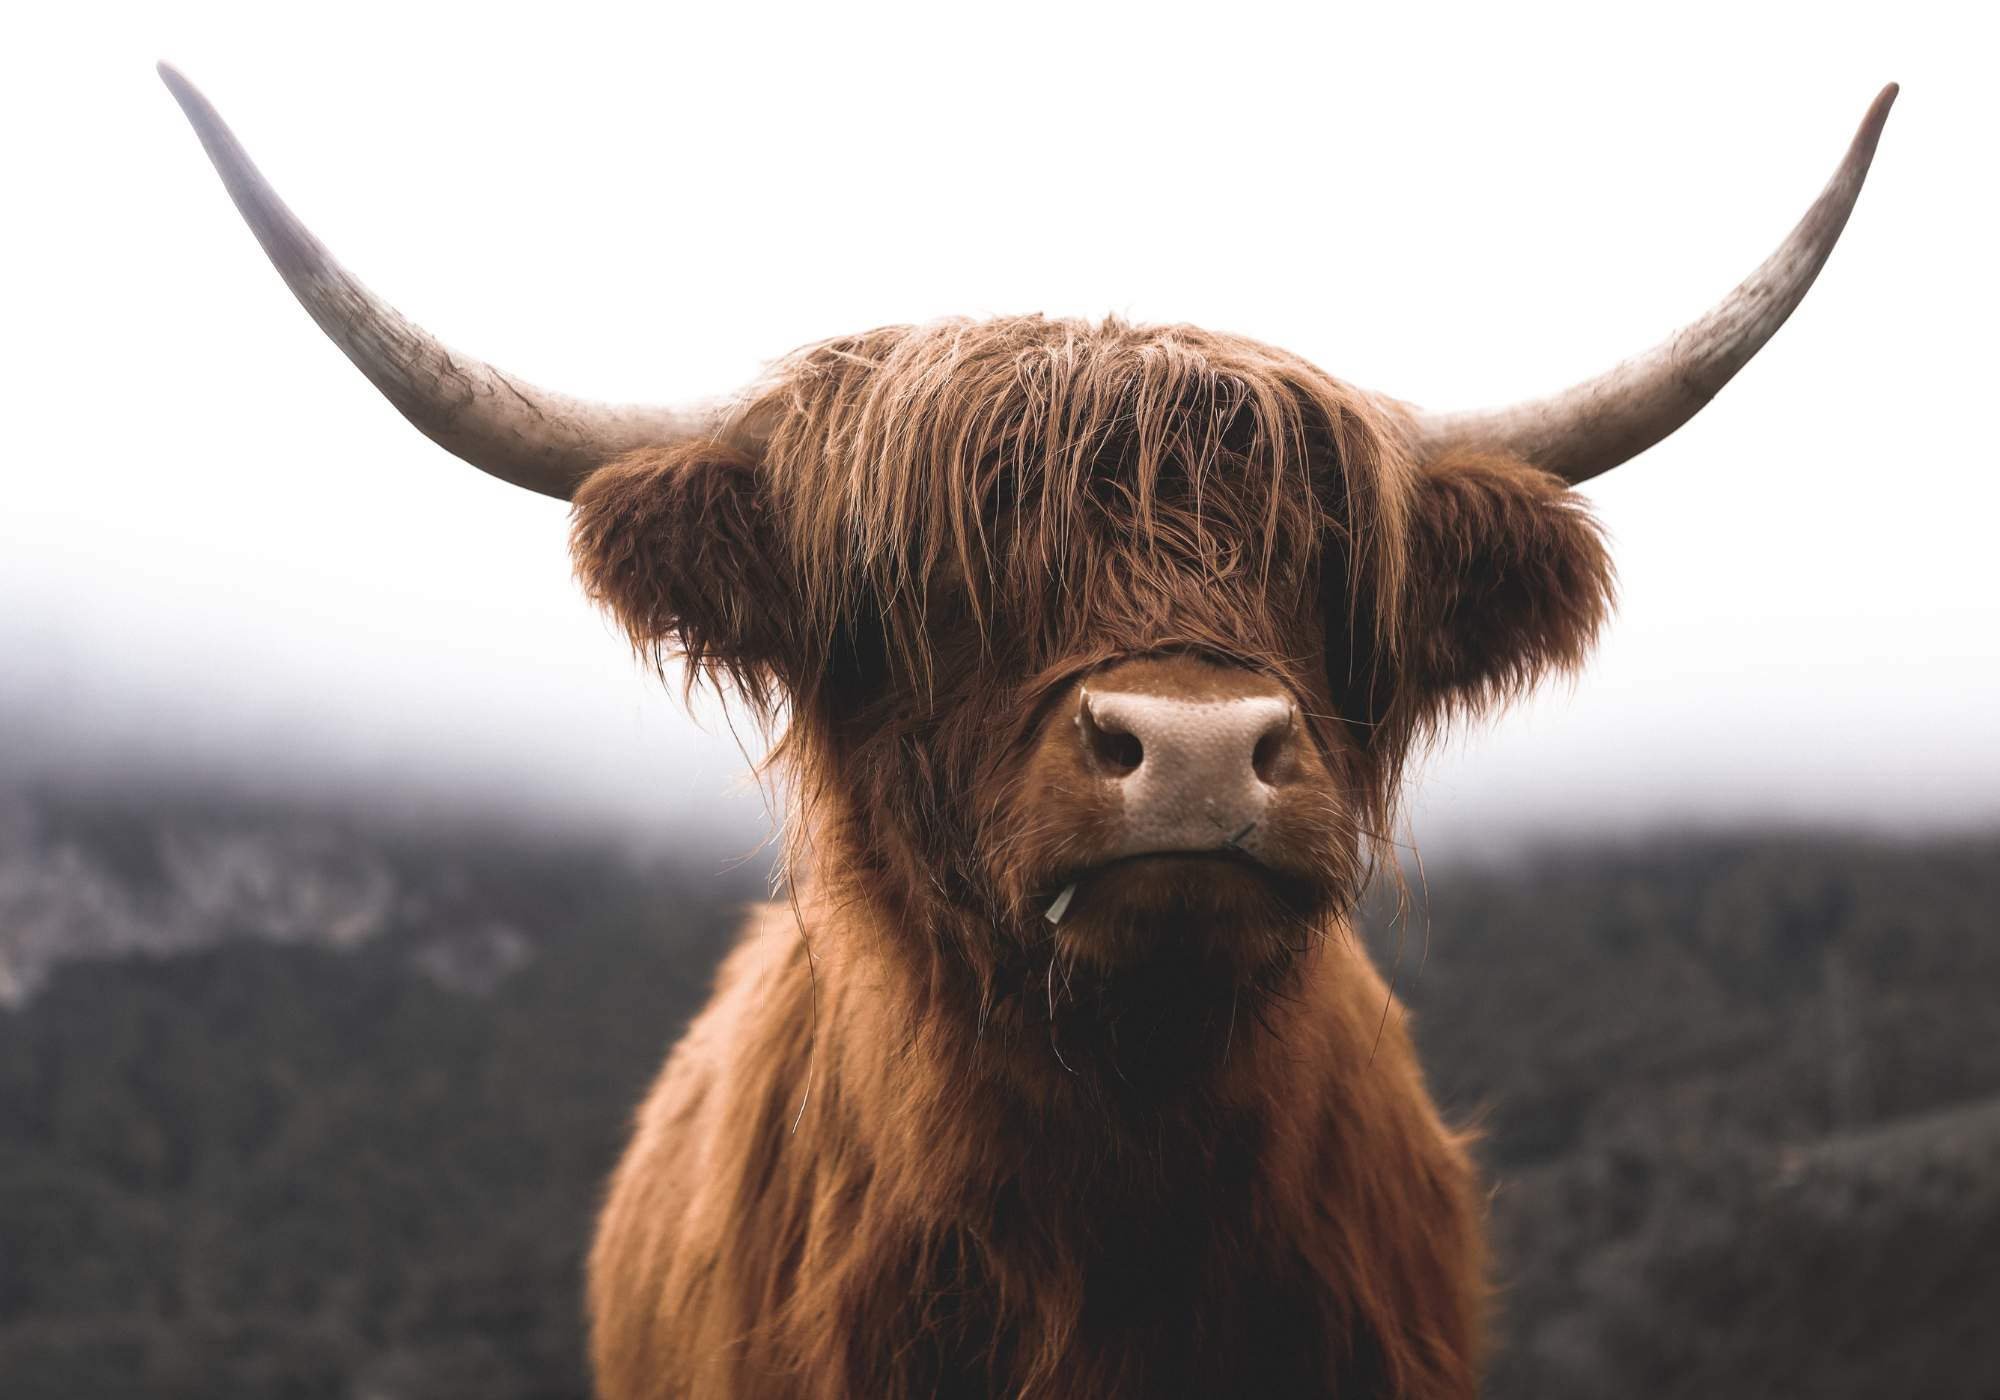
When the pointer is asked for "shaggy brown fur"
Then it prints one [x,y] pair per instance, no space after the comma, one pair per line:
[922,1143]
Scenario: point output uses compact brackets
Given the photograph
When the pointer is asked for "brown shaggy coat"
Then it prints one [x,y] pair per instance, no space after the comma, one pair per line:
[920,1144]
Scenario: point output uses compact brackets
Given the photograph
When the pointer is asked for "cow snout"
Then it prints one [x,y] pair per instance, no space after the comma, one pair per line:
[1193,755]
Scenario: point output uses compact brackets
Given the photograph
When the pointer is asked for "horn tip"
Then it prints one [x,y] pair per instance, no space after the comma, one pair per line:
[1861,153]
[197,107]
[1878,110]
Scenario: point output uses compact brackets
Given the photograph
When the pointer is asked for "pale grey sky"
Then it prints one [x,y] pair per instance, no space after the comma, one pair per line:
[218,544]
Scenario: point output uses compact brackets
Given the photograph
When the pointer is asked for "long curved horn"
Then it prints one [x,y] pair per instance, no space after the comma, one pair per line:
[1592,427]
[544,441]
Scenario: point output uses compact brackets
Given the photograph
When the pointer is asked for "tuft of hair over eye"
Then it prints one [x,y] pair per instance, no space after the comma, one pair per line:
[1026,465]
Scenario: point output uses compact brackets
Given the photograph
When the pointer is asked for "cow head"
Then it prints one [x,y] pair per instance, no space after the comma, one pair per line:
[1098,646]
[1103,634]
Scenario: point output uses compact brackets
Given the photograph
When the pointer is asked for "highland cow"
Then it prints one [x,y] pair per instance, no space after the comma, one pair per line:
[1099,651]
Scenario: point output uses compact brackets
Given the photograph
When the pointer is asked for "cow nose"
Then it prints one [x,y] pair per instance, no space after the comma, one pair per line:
[1220,743]
[1192,774]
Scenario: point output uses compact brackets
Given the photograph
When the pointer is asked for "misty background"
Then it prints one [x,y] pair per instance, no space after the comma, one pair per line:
[354,879]
[220,550]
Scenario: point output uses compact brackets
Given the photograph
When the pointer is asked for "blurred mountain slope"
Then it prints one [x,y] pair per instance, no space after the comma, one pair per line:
[317,1102]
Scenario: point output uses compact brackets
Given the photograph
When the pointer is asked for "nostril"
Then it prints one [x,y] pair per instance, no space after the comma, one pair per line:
[1275,758]
[1118,751]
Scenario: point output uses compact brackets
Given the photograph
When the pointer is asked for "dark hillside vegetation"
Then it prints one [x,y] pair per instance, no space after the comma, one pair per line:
[1742,1101]
[292,1104]
[298,1167]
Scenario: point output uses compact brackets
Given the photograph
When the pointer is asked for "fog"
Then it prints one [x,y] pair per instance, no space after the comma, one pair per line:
[221,553]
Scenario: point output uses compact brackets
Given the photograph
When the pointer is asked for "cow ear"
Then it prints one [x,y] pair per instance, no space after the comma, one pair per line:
[679,545]
[1507,580]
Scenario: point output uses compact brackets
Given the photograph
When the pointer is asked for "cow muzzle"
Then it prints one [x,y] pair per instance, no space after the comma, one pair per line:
[1172,807]
[1173,758]
[1193,756]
